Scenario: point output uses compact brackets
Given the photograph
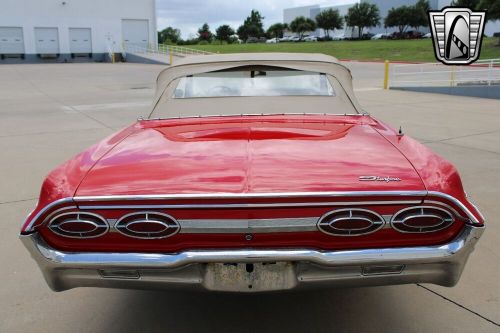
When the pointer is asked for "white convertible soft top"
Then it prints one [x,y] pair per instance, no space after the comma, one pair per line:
[166,106]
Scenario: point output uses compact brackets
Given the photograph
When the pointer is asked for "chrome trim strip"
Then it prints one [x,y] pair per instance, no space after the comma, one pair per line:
[237,226]
[442,204]
[77,199]
[57,211]
[458,203]
[45,255]
[252,195]
[29,228]
[285,204]
[256,115]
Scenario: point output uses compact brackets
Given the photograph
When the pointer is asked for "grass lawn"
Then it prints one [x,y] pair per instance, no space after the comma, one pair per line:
[394,50]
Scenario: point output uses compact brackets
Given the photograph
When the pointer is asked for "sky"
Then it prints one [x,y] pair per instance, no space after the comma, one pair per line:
[189,15]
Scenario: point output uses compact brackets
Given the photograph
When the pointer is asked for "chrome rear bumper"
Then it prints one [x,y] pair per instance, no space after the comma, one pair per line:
[199,269]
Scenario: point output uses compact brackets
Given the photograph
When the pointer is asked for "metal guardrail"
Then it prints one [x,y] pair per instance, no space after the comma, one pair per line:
[482,72]
[181,50]
[162,51]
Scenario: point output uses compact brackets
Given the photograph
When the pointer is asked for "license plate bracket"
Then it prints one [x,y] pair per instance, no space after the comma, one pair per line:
[250,277]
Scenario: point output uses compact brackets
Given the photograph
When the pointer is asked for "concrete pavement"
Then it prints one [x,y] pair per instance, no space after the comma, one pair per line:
[48,113]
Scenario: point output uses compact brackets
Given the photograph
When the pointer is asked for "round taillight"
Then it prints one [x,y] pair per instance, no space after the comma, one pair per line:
[422,219]
[79,225]
[147,225]
[350,222]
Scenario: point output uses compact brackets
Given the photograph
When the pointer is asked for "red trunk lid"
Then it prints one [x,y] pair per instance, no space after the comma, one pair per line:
[251,155]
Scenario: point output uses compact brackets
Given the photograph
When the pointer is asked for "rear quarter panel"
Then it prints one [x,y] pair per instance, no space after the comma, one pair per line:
[63,181]
[438,174]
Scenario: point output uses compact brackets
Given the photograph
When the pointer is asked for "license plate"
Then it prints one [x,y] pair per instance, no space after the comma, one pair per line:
[244,277]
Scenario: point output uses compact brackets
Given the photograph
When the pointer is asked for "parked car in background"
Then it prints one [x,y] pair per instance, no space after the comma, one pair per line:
[272,41]
[413,34]
[395,35]
[285,39]
[339,37]
[310,39]
[253,172]
[295,39]
[427,35]
[235,39]
[251,40]
[324,39]
[367,35]
[380,36]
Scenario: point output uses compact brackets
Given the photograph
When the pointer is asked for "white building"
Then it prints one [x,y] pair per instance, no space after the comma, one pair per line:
[62,30]
[345,31]
[289,14]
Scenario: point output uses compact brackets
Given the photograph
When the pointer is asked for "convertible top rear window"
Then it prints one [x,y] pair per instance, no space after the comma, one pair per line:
[253,83]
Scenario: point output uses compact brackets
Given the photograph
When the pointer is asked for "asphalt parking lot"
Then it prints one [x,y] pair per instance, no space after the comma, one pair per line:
[48,113]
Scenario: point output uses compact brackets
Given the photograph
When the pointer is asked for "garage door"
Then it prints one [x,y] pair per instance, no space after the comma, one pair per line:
[11,40]
[47,40]
[80,40]
[135,33]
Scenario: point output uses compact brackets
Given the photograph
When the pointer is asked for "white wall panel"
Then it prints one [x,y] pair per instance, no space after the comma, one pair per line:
[11,40]
[103,17]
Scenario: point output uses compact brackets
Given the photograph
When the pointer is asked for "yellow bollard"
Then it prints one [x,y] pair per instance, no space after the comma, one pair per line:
[452,76]
[386,74]
[171,58]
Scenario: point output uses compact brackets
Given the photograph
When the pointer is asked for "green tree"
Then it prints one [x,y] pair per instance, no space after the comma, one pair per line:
[329,19]
[301,25]
[420,17]
[472,4]
[169,35]
[277,30]
[252,27]
[363,15]
[224,33]
[400,17]
[492,7]
[204,33]
[408,16]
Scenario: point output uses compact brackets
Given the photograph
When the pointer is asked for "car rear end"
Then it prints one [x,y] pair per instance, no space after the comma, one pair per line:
[261,198]
[253,243]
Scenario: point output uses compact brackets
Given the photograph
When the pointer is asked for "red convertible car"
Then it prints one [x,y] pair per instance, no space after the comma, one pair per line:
[252,173]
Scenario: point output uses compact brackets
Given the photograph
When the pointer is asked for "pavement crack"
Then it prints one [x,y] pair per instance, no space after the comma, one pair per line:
[51,132]
[16,201]
[470,148]
[459,305]
[461,136]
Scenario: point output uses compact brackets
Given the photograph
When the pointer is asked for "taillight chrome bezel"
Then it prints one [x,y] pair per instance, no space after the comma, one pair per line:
[377,223]
[124,230]
[398,222]
[96,220]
